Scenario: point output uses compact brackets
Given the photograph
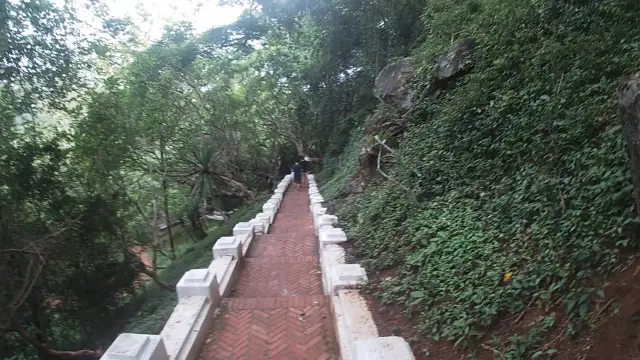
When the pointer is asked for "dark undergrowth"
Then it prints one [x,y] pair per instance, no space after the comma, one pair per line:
[151,306]
[516,187]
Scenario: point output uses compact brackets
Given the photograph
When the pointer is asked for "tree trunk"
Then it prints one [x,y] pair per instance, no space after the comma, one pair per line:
[154,230]
[299,147]
[276,170]
[140,267]
[168,219]
[197,225]
[166,199]
[237,188]
[35,302]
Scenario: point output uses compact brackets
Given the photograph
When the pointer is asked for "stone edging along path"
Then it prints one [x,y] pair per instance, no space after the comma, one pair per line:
[199,293]
[355,329]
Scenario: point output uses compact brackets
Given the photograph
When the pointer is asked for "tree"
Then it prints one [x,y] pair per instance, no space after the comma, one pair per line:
[50,225]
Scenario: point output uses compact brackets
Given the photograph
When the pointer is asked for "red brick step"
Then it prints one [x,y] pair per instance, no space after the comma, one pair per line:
[277,309]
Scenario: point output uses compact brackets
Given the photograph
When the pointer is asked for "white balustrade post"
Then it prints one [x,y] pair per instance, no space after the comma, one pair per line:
[345,276]
[326,221]
[243,228]
[266,219]
[129,346]
[258,226]
[199,282]
[331,235]
[228,245]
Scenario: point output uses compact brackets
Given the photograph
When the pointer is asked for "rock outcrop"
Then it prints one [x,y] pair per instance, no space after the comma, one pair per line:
[393,89]
[629,100]
[392,84]
[456,61]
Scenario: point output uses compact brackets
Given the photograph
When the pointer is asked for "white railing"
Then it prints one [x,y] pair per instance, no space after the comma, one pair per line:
[199,292]
[357,333]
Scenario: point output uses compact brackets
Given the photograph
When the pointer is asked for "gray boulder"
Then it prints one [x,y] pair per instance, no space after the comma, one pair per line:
[456,60]
[392,84]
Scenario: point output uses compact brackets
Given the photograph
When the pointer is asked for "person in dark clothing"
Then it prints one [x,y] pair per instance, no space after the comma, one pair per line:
[305,168]
[297,175]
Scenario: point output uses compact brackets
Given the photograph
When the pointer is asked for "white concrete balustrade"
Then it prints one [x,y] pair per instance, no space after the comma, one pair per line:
[330,235]
[228,245]
[346,276]
[226,270]
[353,321]
[136,347]
[277,198]
[264,219]
[271,210]
[315,207]
[383,348]
[187,328]
[269,207]
[258,226]
[315,202]
[330,255]
[267,218]
[243,228]
[199,292]
[357,333]
[198,282]
[316,212]
[246,240]
[325,221]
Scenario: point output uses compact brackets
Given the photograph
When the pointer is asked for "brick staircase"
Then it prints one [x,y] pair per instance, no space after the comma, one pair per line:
[281,295]
[277,309]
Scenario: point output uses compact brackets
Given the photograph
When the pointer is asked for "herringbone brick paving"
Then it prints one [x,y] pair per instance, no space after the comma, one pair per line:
[277,309]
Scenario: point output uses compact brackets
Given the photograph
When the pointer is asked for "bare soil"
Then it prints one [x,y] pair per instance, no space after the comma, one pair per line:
[146,260]
[613,332]
[392,321]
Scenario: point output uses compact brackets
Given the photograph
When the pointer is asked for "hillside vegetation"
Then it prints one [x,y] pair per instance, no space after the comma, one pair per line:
[511,188]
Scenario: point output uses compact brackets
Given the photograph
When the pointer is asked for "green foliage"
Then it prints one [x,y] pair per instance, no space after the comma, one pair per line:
[519,167]
[40,49]
[62,265]
[58,240]
[388,207]
[452,256]
[519,346]
[151,306]
[340,169]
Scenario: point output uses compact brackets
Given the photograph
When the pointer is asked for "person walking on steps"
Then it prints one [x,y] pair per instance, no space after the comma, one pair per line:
[305,168]
[297,174]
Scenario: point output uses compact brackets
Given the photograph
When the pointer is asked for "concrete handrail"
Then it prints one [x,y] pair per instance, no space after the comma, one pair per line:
[356,331]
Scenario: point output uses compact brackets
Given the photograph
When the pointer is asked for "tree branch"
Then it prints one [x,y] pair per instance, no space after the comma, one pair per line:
[48,352]
[139,266]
